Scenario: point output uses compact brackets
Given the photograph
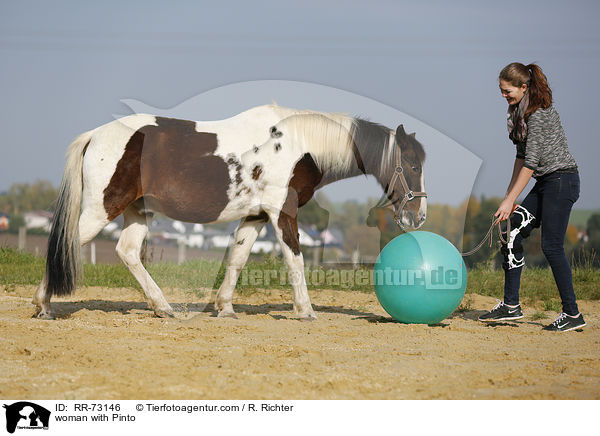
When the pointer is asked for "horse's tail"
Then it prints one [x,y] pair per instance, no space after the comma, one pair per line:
[63,263]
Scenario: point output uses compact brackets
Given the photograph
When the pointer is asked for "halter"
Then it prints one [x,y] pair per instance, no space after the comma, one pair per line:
[408,194]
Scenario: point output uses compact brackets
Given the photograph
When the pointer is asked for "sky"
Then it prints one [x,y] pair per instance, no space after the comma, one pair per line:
[67,67]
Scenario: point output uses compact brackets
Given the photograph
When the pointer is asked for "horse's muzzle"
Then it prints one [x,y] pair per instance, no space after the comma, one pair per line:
[407,220]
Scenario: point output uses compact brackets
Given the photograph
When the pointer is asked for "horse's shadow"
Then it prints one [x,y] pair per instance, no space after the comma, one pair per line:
[65,309]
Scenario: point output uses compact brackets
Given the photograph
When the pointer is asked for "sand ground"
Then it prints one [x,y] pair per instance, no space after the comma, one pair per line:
[106,344]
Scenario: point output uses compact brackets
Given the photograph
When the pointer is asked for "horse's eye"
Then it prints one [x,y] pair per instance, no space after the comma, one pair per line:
[415,168]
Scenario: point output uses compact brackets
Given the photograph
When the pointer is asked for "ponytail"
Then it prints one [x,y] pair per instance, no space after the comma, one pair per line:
[540,94]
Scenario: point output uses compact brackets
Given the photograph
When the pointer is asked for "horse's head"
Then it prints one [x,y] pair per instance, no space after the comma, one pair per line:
[404,181]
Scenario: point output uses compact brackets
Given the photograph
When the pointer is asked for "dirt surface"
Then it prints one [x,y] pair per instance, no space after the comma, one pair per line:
[106,344]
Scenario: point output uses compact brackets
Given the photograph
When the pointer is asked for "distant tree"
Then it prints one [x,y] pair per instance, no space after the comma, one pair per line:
[383,220]
[477,223]
[593,225]
[25,197]
[593,244]
[312,214]
[16,221]
[365,239]
[572,235]
[445,220]
[347,214]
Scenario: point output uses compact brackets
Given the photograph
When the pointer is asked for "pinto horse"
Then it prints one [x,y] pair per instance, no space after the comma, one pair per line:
[258,166]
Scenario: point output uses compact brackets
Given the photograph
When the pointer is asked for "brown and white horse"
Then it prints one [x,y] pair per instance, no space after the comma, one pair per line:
[258,166]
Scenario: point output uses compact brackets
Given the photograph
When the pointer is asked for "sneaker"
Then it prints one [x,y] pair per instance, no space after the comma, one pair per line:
[502,312]
[565,322]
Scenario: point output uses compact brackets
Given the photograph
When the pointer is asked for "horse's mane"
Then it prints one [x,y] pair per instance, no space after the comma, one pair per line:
[378,151]
[338,141]
[343,145]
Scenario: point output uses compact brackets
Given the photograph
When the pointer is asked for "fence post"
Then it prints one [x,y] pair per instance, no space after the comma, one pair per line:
[93,253]
[355,257]
[180,251]
[315,257]
[22,238]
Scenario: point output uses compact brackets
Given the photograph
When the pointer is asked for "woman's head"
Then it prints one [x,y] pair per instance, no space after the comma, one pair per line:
[513,94]
[516,79]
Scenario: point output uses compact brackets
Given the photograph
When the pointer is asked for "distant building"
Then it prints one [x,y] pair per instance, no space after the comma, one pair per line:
[332,237]
[113,230]
[173,231]
[309,237]
[221,239]
[38,219]
[163,230]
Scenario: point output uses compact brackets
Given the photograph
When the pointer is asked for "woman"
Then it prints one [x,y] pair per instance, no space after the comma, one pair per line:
[542,152]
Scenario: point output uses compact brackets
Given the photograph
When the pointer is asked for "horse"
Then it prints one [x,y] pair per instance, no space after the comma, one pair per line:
[260,165]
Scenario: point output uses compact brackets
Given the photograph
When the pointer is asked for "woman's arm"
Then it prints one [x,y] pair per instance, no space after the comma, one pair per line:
[523,168]
[516,169]
[517,186]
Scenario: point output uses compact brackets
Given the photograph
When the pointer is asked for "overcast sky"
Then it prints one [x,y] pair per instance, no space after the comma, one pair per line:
[66,66]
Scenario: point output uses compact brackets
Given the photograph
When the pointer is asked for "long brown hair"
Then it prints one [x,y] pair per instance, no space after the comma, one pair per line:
[540,94]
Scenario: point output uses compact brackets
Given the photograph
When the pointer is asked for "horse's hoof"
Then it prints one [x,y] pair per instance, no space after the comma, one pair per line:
[164,313]
[227,315]
[45,315]
[308,318]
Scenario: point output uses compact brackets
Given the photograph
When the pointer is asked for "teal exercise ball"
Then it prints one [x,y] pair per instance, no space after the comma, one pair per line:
[419,278]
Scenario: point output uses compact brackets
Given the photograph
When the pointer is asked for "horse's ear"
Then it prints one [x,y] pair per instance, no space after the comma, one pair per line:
[400,133]
[413,135]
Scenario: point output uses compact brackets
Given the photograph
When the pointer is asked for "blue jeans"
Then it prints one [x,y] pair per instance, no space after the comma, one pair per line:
[548,205]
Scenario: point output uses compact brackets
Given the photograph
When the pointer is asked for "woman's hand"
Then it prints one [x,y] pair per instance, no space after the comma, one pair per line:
[504,211]
[516,186]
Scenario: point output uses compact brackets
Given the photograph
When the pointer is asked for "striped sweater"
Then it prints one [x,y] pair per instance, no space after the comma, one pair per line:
[546,148]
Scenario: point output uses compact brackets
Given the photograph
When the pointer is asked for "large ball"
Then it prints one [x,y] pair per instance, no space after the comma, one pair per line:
[420,278]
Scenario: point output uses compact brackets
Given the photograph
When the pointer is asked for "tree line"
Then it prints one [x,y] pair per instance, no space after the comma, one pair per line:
[367,228]
[27,197]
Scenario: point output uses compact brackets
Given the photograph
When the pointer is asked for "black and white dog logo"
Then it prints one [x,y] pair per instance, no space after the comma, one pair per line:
[26,415]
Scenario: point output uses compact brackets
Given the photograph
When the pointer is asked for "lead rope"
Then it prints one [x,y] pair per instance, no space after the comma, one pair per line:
[490,235]
[409,195]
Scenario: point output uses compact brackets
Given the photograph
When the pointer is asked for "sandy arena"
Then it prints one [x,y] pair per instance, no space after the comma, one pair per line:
[106,344]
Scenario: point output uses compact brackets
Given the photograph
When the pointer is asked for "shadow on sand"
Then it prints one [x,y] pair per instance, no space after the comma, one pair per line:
[66,309]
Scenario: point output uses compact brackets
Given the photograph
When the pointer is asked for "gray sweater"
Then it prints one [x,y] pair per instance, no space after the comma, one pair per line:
[546,149]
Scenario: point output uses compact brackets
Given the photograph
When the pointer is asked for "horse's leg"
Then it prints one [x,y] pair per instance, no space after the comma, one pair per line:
[286,230]
[91,222]
[245,236]
[128,249]
[41,299]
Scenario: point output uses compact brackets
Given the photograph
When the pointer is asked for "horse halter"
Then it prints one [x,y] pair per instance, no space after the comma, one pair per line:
[408,194]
